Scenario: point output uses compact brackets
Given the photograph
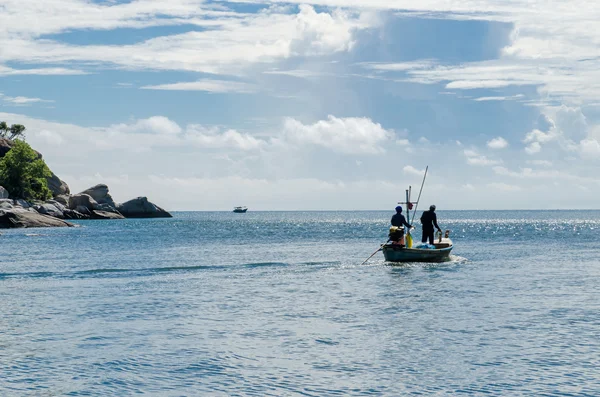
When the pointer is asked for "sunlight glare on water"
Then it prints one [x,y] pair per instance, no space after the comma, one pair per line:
[277,303]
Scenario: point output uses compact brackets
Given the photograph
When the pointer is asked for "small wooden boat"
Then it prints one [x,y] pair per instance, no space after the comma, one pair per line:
[240,210]
[397,253]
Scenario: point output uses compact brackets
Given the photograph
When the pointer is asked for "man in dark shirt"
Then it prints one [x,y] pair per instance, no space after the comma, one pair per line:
[398,219]
[429,220]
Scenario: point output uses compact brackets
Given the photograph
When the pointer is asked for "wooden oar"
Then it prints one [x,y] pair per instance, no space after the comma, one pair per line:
[373,254]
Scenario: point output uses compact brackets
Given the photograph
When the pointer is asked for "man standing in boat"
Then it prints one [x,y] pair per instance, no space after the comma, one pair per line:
[399,220]
[397,229]
[429,220]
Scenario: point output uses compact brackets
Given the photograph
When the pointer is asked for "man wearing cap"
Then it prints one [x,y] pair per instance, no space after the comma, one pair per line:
[429,220]
[397,229]
[398,219]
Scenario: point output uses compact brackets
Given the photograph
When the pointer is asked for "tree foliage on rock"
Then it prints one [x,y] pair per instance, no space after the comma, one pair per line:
[12,132]
[24,174]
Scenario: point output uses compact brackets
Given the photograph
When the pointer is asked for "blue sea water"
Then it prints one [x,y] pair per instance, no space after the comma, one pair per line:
[278,304]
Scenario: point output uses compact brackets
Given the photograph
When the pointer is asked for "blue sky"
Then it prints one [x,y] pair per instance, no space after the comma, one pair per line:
[323,104]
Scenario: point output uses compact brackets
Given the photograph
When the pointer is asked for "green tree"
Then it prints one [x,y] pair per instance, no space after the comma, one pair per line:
[24,174]
[16,130]
[3,129]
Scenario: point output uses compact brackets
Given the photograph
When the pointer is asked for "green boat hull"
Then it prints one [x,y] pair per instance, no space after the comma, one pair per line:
[399,254]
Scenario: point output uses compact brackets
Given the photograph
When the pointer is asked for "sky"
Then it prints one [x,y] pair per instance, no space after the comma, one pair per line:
[311,105]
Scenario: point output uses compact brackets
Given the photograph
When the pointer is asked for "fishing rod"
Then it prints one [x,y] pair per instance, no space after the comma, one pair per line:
[419,198]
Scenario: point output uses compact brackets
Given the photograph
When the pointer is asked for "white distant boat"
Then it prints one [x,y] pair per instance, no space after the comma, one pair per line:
[240,210]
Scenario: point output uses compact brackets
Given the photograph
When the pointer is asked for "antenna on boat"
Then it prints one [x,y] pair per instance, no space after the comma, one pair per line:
[419,198]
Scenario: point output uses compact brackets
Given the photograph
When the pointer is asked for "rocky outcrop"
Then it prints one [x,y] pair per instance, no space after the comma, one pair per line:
[82,200]
[140,207]
[63,199]
[97,214]
[57,186]
[6,204]
[24,218]
[93,203]
[100,194]
[49,209]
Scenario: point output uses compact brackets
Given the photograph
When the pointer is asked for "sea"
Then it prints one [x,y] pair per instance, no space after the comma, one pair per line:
[281,304]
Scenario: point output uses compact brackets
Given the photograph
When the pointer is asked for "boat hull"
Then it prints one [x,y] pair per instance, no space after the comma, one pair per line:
[240,211]
[399,254]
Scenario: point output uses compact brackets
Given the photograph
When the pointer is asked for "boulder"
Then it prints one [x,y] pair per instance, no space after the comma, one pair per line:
[106,215]
[57,186]
[49,209]
[82,200]
[3,193]
[26,219]
[61,207]
[6,204]
[84,210]
[72,214]
[63,199]
[100,194]
[21,203]
[5,146]
[140,207]
[106,207]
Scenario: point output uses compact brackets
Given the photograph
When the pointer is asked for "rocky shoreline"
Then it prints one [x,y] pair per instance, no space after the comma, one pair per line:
[93,203]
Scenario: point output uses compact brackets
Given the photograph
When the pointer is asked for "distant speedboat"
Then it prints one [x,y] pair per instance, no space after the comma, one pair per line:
[240,210]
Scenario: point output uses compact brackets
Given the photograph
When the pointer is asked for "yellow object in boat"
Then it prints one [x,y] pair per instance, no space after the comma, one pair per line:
[408,241]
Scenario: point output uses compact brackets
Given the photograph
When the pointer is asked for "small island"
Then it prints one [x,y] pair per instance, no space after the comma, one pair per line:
[31,195]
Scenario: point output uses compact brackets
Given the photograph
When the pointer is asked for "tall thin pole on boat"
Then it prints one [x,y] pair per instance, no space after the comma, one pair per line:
[420,191]
[407,205]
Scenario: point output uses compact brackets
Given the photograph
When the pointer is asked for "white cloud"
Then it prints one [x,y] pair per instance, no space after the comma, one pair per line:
[21,100]
[346,135]
[152,125]
[533,148]
[227,45]
[543,163]
[482,161]
[6,71]
[214,138]
[497,143]
[410,170]
[552,175]
[504,187]
[300,73]
[590,148]
[216,86]
[474,158]
[498,98]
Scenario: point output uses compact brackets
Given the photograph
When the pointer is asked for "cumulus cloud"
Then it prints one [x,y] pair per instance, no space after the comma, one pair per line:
[346,135]
[565,126]
[497,143]
[533,148]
